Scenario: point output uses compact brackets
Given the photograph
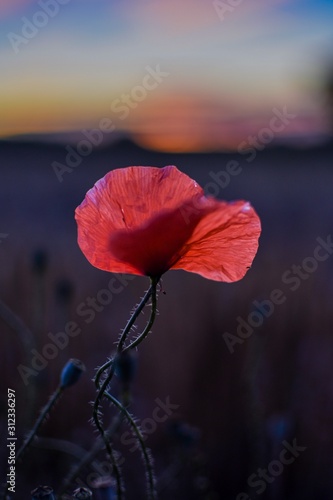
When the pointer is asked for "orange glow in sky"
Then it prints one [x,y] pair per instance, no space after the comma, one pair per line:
[214,76]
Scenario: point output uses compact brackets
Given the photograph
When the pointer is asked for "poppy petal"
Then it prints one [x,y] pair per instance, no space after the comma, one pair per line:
[223,243]
[153,248]
[126,200]
[146,220]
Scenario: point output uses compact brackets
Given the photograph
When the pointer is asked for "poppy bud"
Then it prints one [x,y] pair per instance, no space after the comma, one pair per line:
[64,291]
[82,493]
[105,488]
[184,434]
[279,427]
[42,492]
[125,366]
[39,261]
[71,373]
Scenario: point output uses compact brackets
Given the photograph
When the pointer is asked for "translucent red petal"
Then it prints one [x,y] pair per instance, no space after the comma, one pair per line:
[146,220]
[223,244]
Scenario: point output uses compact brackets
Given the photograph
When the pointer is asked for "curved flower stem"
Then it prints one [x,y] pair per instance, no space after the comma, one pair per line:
[103,433]
[88,457]
[145,332]
[151,291]
[101,370]
[102,389]
[147,458]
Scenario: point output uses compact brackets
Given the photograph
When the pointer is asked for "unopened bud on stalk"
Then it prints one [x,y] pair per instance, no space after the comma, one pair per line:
[184,434]
[71,373]
[64,291]
[105,488]
[42,492]
[82,493]
[39,261]
[125,366]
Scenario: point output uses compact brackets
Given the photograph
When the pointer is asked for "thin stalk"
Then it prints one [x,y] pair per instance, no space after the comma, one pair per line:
[28,341]
[102,389]
[151,291]
[101,370]
[90,455]
[104,435]
[32,434]
[145,332]
[136,430]
[44,413]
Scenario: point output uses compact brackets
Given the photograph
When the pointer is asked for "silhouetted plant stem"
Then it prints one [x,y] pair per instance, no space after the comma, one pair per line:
[70,374]
[16,324]
[89,456]
[104,434]
[150,292]
[102,369]
[145,332]
[145,453]
[43,415]
[28,342]
[103,389]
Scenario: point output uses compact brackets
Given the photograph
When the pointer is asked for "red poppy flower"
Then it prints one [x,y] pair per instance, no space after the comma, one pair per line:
[146,220]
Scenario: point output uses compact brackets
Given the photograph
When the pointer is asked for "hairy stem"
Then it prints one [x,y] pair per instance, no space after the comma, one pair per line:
[103,389]
[145,332]
[151,291]
[104,434]
[89,456]
[140,438]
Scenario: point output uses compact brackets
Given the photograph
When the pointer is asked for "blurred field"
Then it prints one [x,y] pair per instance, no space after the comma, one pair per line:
[276,386]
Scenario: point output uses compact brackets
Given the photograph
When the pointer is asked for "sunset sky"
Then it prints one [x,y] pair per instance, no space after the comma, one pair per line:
[180,75]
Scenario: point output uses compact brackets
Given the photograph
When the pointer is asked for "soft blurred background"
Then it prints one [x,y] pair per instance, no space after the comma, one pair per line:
[88,86]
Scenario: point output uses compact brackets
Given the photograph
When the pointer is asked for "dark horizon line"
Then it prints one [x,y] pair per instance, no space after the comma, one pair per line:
[119,139]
